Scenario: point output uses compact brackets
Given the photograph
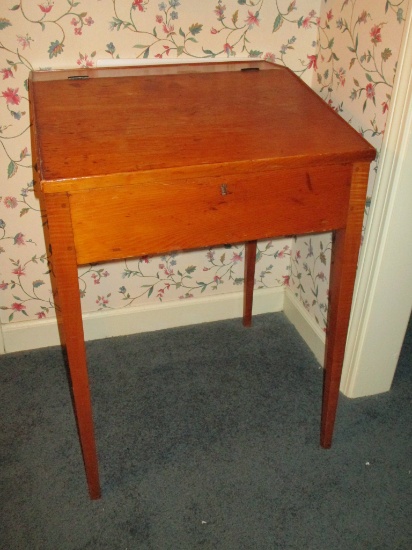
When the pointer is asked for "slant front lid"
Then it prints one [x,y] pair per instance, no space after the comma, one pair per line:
[136,120]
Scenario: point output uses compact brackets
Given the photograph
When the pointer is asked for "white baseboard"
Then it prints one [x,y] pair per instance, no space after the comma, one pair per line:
[26,335]
[305,325]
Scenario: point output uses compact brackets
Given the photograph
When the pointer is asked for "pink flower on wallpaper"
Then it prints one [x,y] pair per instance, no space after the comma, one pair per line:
[78,31]
[17,307]
[306,22]
[363,17]
[159,19]
[376,34]
[19,271]
[4,286]
[24,41]
[7,73]
[385,107]
[40,315]
[46,6]
[227,48]
[19,239]
[220,12]
[270,57]
[252,19]
[138,4]
[89,21]
[236,258]
[84,60]
[286,280]
[10,202]
[11,96]
[213,31]
[313,62]
[329,15]
[168,29]
[370,91]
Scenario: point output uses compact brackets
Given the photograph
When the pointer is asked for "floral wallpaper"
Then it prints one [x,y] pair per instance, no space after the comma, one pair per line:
[346,50]
[354,62]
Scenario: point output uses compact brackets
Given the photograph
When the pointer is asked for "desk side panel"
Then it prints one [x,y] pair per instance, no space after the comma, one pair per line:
[150,219]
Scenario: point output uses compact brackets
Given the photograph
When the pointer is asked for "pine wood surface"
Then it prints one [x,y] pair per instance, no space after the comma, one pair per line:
[224,121]
[171,158]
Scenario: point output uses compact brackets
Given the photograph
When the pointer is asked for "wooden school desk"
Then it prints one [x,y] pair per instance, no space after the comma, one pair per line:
[143,161]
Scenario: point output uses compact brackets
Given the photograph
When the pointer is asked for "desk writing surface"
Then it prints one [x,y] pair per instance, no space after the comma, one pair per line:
[205,120]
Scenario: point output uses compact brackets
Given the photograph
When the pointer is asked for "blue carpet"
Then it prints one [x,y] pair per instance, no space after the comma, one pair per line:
[208,437]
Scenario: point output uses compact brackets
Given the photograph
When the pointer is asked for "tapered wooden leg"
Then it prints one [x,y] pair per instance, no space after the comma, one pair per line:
[250,262]
[345,250]
[70,316]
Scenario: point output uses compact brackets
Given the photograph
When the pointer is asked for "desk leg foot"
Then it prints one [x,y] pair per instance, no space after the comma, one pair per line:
[60,236]
[250,263]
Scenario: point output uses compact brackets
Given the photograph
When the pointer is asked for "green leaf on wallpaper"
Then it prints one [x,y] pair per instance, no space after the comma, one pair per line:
[196,28]
[181,32]
[180,50]
[386,6]
[331,42]
[386,54]
[146,53]
[190,269]
[356,82]
[278,23]
[141,46]
[235,17]
[11,169]
[55,48]
[150,292]
[24,211]
[209,52]
[15,7]
[4,23]
[368,77]
[38,283]
[399,15]
[364,105]
[352,61]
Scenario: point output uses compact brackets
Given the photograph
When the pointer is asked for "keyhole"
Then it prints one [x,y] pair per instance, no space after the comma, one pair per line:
[223,189]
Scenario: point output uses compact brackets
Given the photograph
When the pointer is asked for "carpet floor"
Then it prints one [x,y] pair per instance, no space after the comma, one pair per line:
[208,437]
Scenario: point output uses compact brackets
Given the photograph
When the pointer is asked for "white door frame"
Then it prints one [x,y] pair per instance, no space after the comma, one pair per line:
[383,291]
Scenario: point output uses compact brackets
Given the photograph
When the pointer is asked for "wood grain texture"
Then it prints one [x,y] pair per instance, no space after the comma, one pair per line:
[139,161]
[345,250]
[190,121]
[150,219]
[70,317]
[250,265]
